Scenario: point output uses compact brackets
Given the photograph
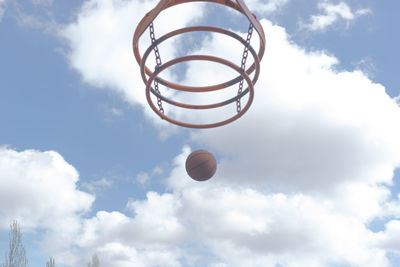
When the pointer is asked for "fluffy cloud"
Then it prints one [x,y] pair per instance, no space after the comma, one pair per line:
[145,178]
[300,176]
[332,13]
[100,42]
[97,185]
[318,130]
[39,189]
[207,224]
[147,239]
[390,238]
[215,224]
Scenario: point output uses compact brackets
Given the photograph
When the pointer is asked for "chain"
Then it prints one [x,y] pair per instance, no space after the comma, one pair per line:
[243,65]
[158,64]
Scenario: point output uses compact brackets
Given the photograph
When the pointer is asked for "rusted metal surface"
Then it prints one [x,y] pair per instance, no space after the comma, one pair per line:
[149,76]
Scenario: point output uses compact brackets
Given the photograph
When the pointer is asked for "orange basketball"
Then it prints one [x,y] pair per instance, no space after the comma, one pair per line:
[201,165]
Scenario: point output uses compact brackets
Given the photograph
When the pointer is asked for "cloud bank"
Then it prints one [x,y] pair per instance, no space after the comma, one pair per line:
[40,190]
[31,182]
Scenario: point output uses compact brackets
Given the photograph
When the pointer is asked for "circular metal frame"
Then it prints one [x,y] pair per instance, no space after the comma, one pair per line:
[147,20]
[207,58]
[165,4]
[199,88]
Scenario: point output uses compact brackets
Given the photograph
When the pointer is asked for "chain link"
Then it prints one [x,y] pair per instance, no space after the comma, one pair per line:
[243,65]
[158,64]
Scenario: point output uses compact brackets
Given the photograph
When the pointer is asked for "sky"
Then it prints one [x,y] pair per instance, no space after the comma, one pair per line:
[309,176]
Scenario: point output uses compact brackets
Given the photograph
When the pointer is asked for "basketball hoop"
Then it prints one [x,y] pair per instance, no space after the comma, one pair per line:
[151,77]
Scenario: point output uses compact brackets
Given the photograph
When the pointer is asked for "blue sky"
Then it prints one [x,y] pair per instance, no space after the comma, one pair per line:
[305,178]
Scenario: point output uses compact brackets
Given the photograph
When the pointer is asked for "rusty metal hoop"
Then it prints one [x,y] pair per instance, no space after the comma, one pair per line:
[207,58]
[199,88]
[164,4]
[244,74]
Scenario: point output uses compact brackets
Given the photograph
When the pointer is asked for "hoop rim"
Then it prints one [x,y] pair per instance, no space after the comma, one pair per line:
[165,4]
[209,106]
[199,88]
[207,58]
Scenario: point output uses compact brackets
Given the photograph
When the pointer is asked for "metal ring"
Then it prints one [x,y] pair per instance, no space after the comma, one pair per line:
[165,4]
[209,106]
[199,88]
[200,57]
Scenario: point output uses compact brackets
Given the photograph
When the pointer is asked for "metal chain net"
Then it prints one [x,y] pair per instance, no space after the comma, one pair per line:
[243,65]
[158,64]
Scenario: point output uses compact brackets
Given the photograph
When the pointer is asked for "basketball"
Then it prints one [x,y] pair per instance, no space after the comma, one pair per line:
[201,165]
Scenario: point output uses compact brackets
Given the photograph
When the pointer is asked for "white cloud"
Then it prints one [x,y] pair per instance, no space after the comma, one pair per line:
[266,7]
[27,20]
[115,254]
[43,2]
[39,190]
[367,66]
[147,239]
[390,238]
[116,111]
[97,185]
[331,14]
[158,170]
[36,16]
[397,99]
[143,178]
[217,224]
[113,22]
[211,224]
[146,177]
